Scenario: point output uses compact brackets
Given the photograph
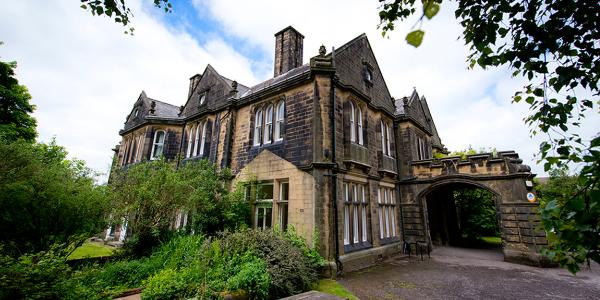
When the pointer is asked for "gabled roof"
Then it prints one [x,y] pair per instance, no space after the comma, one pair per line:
[349,61]
[274,81]
[415,108]
[146,109]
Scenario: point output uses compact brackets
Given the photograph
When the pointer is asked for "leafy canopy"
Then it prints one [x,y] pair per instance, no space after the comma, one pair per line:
[554,45]
[15,121]
[118,10]
[45,198]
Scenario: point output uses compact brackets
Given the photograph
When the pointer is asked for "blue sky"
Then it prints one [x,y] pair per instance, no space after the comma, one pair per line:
[84,74]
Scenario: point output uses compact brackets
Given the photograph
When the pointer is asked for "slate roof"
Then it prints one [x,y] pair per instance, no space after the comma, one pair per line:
[162,111]
[299,71]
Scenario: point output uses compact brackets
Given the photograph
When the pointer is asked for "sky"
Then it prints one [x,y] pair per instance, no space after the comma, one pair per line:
[85,74]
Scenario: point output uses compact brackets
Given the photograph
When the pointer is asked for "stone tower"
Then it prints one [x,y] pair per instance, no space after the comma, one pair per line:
[288,50]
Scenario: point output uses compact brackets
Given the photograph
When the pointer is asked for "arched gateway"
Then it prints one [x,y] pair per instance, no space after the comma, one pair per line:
[502,174]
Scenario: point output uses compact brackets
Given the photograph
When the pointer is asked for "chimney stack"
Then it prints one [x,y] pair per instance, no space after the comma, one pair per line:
[288,50]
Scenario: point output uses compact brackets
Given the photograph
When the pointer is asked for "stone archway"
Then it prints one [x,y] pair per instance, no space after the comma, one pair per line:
[444,219]
[504,175]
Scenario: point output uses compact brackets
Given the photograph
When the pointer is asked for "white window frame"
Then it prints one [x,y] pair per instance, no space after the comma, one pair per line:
[383,139]
[283,205]
[360,126]
[203,140]
[263,204]
[279,121]
[346,216]
[352,124]
[268,130]
[258,117]
[196,140]
[364,214]
[139,148]
[387,212]
[190,141]
[156,144]
[389,140]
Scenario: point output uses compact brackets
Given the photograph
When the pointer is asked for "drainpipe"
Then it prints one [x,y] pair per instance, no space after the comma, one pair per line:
[334,191]
[398,164]
[180,146]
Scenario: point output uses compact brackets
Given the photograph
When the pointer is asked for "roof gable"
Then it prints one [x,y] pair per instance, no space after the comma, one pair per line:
[351,62]
[215,89]
[146,108]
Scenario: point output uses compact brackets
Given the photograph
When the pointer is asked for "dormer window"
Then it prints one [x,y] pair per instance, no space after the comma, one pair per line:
[136,111]
[368,73]
[202,98]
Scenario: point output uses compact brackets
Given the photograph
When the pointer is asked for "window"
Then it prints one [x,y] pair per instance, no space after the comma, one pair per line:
[257,127]
[355,214]
[386,211]
[138,154]
[352,125]
[196,140]
[368,75]
[268,135]
[282,205]
[203,140]
[202,98]
[422,149]
[181,220]
[263,208]
[386,139]
[190,139]
[279,119]
[389,139]
[157,146]
[360,126]
[136,111]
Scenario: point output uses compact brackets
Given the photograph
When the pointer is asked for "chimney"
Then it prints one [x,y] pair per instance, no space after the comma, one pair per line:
[288,50]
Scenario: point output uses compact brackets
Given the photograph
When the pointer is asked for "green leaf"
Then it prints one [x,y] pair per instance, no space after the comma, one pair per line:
[430,9]
[415,38]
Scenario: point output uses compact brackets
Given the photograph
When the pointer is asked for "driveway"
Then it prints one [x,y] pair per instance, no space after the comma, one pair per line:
[455,273]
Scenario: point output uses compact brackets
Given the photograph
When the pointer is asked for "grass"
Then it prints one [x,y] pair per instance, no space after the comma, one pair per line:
[492,240]
[91,250]
[332,287]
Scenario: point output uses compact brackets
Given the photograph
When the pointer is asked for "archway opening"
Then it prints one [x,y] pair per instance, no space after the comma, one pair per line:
[463,215]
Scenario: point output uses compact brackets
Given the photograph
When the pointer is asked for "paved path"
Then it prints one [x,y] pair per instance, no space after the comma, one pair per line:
[454,273]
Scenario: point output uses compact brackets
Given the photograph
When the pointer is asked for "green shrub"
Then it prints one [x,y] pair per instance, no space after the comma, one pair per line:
[290,270]
[43,275]
[167,284]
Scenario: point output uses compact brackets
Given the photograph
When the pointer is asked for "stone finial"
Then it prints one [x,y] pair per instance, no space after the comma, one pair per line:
[152,107]
[322,50]
[181,109]
[234,85]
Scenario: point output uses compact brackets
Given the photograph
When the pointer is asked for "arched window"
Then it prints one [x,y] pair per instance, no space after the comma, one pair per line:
[383,139]
[352,124]
[196,140]
[125,147]
[279,120]
[268,135]
[389,139]
[359,117]
[190,140]
[257,127]
[202,98]
[158,144]
[203,141]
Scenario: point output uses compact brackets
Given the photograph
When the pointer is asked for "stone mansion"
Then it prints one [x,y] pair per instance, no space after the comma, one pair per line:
[334,154]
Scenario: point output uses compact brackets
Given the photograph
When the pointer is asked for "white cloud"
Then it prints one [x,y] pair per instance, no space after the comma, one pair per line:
[84,74]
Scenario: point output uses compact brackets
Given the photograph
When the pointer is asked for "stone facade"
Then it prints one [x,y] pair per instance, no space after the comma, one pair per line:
[332,153]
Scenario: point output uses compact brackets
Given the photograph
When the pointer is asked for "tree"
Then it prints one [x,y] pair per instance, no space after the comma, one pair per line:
[118,10]
[45,198]
[554,44]
[15,121]
[150,195]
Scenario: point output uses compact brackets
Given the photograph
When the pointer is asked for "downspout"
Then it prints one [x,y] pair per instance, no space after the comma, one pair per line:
[397,178]
[180,146]
[334,190]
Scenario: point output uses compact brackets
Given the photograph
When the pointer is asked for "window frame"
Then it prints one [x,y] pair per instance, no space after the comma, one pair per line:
[196,139]
[258,128]
[360,127]
[203,138]
[155,144]
[190,140]
[352,123]
[268,125]
[356,234]
[279,121]
[283,205]
[386,210]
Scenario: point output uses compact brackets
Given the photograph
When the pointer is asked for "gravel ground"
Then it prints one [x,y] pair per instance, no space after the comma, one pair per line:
[454,273]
